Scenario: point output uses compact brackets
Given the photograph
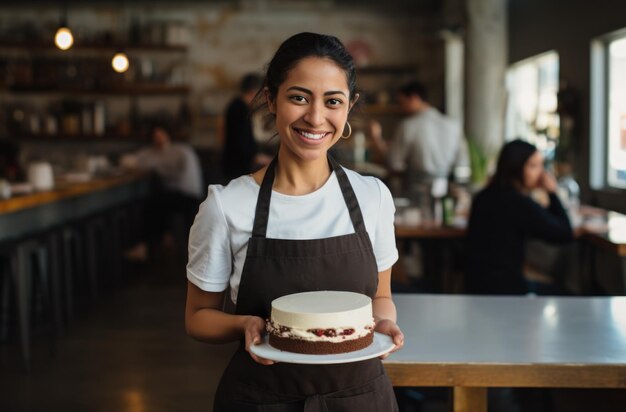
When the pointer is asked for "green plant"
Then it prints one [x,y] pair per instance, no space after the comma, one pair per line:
[479,162]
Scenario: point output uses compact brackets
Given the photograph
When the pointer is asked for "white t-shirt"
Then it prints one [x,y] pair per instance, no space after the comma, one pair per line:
[218,241]
[430,143]
[177,165]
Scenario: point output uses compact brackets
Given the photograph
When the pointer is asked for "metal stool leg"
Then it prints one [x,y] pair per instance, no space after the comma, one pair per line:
[92,266]
[68,273]
[5,315]
[55,282]
[22,282]
[44,277]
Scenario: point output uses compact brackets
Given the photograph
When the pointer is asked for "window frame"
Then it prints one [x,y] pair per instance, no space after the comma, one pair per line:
[599,114]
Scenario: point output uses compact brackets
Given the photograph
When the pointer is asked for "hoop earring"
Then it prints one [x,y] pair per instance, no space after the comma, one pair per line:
[349,131]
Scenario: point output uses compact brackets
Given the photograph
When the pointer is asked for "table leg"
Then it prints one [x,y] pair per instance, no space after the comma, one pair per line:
[470,399]
[587,269]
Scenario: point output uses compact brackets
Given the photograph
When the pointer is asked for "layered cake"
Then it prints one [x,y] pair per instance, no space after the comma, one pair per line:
[321,323]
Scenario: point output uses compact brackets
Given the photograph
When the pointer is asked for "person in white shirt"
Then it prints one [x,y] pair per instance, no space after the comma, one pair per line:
[177,195]
[426,144]
[175,163]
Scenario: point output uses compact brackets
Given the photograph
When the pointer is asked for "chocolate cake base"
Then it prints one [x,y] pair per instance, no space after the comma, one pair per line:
[320,348]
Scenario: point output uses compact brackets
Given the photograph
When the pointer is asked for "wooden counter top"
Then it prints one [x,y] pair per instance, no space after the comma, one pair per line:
[34,213]
[65,190]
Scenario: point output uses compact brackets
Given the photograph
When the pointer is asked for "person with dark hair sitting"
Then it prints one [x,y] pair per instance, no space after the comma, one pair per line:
[504,216]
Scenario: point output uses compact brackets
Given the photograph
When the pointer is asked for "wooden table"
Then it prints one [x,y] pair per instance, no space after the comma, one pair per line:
[472,343]
[611,237]
[430,231]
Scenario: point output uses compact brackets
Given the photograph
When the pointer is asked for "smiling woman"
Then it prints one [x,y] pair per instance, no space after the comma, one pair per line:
[311,109]
[301,224]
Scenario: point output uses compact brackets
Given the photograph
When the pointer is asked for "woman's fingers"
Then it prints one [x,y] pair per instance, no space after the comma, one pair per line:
[391,329]
[398,340]
[253,336]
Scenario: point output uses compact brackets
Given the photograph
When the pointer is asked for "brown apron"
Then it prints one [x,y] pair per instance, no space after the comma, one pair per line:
[277,267]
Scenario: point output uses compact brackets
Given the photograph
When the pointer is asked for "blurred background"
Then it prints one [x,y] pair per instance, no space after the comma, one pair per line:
[93,294]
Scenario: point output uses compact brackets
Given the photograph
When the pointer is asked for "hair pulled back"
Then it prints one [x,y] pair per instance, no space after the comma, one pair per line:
[301,46]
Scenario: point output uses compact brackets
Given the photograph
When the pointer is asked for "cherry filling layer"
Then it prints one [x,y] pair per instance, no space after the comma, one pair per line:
[326,334]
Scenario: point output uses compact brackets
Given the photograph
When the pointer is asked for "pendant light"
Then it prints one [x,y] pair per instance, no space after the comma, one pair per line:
[64,39]
[120,62]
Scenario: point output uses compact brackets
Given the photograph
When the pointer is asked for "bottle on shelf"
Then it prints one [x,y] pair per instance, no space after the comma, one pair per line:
[99,118]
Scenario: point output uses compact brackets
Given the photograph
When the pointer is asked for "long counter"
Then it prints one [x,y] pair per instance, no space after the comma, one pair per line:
[23,215]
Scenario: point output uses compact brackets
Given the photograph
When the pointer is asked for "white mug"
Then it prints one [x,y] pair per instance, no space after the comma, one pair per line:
[40,176]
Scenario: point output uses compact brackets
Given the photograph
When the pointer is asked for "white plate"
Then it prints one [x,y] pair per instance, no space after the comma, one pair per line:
[381,344]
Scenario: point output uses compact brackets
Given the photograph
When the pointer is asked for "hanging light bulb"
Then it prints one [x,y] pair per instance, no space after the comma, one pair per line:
[120,62]
[64,39]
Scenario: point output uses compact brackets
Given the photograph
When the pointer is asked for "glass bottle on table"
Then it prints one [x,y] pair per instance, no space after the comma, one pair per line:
[568,191]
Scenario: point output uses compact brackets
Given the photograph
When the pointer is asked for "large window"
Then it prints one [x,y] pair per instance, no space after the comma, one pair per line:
[532,87]
[616,121]
[608,112]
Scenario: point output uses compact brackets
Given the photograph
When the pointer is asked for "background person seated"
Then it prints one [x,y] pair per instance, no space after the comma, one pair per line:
[179,192]
[504,216]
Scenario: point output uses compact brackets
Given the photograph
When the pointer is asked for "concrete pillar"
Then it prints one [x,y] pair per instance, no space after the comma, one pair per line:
[486,62]
[454,75]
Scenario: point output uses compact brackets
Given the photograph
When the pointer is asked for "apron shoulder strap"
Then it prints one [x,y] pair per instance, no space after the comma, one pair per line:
[262,212]
[349,196]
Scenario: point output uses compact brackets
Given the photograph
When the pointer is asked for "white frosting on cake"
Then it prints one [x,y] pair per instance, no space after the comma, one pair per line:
[348,313]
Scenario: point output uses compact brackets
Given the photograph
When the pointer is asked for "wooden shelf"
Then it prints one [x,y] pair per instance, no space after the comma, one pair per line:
[62,137]
[379,109]
[387,70]
[95,47]
[138,136]
[149,89]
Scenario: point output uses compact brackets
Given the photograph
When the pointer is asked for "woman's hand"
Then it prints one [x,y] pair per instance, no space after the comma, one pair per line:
[254,328]
[390,328]
[548,182]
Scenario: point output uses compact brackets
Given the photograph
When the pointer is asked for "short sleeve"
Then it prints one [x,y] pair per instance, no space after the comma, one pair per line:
[210,255]
[384,245]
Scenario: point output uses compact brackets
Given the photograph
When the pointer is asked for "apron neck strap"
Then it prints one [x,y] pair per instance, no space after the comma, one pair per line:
[261,216]
[348,196]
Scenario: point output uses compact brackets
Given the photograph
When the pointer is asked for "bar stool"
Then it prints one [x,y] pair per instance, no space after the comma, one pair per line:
[99,253]
[80,273]
[120,238]
[26,270]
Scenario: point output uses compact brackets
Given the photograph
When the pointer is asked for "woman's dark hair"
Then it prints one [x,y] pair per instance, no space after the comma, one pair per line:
[301,46]
[163,125]
[250,82]
[510,167]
